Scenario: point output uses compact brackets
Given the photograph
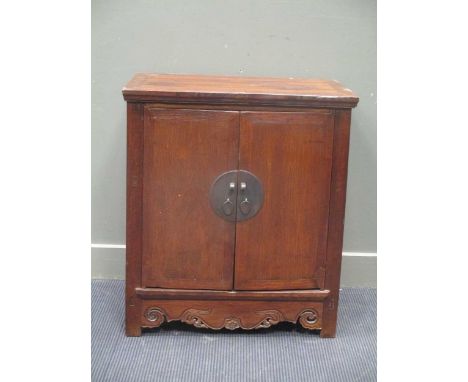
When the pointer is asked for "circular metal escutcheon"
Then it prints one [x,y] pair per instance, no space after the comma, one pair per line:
[236,195]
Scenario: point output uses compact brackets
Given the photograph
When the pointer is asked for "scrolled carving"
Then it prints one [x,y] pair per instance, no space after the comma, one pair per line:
[218,319]
[192,317]
[195,317]
[232,323]
[272,318]
[309,318]
[155,315]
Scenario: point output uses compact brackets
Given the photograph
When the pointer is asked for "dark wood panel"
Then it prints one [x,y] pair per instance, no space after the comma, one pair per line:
[336,219]
[284,246]
[253,91]
[187,294]
[185,245]
[134,216]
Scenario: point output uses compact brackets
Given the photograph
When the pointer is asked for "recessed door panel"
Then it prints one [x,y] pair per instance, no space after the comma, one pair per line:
[284,245]
[185,244]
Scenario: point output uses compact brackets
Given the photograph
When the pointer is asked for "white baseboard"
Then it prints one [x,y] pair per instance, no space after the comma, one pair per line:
[358,270]
[108,246]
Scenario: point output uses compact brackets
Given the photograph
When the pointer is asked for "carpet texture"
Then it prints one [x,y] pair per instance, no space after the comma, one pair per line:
[285,352]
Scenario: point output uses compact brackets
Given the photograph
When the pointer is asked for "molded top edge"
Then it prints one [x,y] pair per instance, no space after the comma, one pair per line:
[226,90]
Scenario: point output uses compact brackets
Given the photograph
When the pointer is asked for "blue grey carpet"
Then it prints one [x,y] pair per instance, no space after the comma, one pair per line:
[178,352]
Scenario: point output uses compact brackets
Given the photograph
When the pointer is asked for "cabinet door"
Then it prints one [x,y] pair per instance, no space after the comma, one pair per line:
[284,245]
[185,245]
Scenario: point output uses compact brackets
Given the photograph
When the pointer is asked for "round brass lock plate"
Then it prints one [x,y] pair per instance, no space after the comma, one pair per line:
[236,195]
[223,195]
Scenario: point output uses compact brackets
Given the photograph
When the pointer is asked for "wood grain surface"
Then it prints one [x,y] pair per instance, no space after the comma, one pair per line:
[185,245]
[252,91]
[134,214]
[336,219]
[284,246]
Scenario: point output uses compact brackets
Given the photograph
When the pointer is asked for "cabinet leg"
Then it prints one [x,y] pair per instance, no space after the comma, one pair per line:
[330,315]
[328,331]
[132,330]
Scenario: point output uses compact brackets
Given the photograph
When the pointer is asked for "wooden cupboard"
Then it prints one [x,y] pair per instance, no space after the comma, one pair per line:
[235,200]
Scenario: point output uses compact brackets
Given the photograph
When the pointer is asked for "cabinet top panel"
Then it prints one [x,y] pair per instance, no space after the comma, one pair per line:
[242,91]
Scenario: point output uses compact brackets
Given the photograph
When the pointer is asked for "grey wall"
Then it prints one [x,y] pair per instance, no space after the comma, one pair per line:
[333,39]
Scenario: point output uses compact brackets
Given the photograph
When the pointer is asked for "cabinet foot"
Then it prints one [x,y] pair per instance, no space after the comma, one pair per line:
[133,330]
[328,333]
[330,315]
